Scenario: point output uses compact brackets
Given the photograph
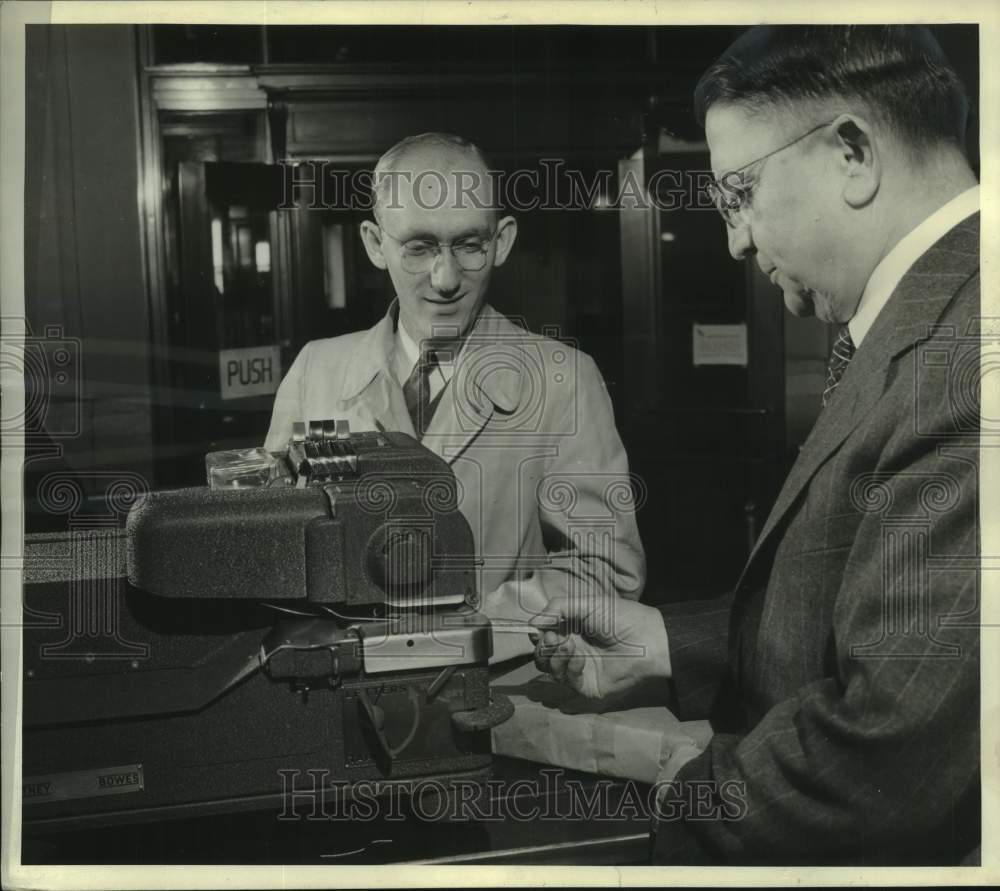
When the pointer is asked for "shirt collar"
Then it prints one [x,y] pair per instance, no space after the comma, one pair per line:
[377,346]
[406,350]
[894,265]
[408,353]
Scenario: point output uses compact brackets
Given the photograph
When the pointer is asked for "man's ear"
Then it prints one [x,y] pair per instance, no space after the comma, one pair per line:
[506,233]
[371,235]
[859,159]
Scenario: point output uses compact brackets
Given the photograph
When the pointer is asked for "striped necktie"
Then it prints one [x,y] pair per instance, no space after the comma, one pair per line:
[843,350]
[417,392]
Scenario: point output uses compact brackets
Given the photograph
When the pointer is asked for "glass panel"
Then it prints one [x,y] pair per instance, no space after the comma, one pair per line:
[173,44]
[334,285]
[223,358]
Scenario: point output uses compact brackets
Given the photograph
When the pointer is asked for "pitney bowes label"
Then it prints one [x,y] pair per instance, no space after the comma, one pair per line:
[82,784]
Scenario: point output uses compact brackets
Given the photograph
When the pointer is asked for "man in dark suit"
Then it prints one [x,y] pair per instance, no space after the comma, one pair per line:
[842,675]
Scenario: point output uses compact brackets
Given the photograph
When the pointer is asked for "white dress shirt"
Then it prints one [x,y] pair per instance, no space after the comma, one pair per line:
[907,251]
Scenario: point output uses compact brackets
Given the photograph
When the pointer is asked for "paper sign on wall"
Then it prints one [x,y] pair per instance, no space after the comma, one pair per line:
[719,344]
[252,371]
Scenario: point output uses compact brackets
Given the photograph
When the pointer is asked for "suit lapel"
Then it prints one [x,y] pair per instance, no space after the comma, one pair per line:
[908,317]
[858,391]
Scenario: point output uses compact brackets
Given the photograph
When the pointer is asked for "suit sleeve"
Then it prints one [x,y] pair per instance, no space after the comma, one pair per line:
[588,478]
[878,762]
[288,402]
[698,634]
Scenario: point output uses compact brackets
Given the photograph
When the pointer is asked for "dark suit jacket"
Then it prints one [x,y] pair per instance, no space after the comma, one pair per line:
[846,707]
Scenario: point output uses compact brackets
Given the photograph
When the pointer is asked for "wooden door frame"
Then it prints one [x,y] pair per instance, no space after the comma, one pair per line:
[219,89]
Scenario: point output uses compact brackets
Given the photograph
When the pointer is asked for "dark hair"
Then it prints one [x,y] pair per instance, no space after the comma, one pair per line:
[899,72]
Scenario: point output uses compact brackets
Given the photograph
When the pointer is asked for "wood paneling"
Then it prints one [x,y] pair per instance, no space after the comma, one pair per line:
[504,122]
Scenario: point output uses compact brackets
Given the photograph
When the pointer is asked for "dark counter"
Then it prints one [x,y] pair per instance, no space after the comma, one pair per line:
[526,813]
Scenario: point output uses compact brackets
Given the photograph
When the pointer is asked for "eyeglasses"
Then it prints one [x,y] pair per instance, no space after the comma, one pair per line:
[731,192]
[419,255]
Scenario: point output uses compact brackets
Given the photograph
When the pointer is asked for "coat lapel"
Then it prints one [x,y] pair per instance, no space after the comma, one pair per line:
[908,318]
[485,385]
[369,390]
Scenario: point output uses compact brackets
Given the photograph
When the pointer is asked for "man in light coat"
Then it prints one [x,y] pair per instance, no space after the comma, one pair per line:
[524,421]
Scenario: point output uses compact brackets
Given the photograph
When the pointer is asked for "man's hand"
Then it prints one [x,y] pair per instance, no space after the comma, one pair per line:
[601,646]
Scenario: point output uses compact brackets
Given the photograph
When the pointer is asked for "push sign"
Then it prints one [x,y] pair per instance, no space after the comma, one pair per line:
[252,371]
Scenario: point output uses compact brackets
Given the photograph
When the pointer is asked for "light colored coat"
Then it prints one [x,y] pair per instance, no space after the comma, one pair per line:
[528,429]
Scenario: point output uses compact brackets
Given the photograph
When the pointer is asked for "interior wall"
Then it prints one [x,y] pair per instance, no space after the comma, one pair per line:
[807,350]
[84,277]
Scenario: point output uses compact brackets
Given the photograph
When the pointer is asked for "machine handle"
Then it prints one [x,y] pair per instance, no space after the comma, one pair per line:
[498,711]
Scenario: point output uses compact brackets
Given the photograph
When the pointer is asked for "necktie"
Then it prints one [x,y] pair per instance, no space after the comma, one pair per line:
[843,350]
[417,392]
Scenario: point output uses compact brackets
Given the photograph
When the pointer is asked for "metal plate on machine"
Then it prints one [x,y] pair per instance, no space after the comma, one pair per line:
[82,784]
[413,727]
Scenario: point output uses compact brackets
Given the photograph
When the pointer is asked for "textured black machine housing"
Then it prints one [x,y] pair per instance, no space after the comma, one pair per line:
[399,512]
[170,684]
[205,753]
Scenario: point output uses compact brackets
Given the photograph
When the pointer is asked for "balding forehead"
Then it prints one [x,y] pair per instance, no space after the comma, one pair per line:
[435,176]
[441,157]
